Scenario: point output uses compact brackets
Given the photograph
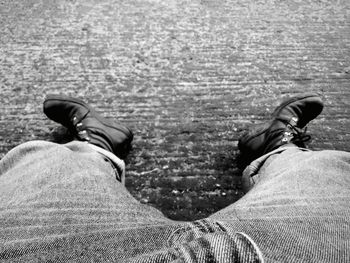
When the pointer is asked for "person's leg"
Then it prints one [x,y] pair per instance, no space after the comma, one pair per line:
[64,202]
[298,209]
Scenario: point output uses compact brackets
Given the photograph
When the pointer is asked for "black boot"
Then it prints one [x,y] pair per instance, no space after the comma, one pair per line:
[87,125]
[285,127]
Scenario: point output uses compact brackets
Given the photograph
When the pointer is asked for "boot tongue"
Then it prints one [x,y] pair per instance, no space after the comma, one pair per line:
[288,120]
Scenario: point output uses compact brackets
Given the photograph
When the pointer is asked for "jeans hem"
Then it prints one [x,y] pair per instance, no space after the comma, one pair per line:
[253,168]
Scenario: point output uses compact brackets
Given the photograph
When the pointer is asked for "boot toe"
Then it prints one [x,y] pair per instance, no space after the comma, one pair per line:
[62,109]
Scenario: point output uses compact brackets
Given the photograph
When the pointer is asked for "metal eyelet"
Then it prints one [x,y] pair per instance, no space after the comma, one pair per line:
[79,126]
[83,135]
[74,120]
[285,140]
[293,121]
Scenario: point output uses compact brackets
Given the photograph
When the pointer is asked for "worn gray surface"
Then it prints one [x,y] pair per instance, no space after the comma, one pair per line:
[187,76]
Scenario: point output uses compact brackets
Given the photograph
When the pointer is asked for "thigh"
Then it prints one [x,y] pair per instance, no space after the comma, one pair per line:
[297,183]
[58,198]
[71,180]
[299,208]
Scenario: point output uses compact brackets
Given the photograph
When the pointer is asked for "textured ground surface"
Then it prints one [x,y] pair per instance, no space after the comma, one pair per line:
[188,76]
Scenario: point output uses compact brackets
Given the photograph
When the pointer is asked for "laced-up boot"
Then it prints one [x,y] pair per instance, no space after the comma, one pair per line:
[288,125]
[87,125]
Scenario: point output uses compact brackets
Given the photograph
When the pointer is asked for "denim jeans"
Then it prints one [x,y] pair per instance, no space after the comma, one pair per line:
[63,203]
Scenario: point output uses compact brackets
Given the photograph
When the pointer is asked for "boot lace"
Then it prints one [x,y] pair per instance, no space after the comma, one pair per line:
[294,134]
